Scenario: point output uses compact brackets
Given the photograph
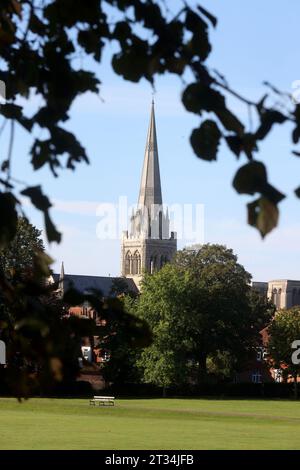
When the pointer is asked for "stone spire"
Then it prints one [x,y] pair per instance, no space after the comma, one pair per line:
[150,189]
[148,245]
[62,272]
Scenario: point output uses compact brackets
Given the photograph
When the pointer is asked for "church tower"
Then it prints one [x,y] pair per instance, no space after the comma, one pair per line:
[148,245]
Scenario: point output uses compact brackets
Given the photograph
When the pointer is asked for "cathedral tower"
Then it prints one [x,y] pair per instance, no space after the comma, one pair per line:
[148,245]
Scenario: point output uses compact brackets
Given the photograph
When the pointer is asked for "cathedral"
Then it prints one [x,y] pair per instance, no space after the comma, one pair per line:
[148,243]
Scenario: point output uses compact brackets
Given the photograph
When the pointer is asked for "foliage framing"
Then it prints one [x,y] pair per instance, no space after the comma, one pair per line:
[38,38]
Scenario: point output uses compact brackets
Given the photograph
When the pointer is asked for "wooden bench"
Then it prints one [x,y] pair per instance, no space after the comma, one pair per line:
[110,401]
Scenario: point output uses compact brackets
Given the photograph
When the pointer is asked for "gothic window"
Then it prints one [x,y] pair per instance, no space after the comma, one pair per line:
[128,262]
[136,263]
[163,260]
[274,296]
[278,301]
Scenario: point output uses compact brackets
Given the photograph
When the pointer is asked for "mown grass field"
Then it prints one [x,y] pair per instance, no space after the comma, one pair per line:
[149,424]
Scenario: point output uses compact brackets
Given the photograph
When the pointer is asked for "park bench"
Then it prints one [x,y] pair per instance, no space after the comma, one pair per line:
[110,401]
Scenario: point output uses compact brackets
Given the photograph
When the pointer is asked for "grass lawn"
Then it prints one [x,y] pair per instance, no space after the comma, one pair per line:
[43,423]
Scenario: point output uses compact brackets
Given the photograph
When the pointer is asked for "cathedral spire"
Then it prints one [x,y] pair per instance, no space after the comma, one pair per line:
[150,189]
[62,272]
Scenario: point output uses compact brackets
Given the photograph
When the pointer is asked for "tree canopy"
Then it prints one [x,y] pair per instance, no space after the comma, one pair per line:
[199,307]
[42,339]
[283,331]
[19,255]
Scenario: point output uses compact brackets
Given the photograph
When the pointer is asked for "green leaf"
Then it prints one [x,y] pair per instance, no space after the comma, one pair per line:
[42,263]
[13,111]
[197,97]
[199,44]
[230,121]
[296,134]
[73,297]
[205,140]
[8,218]
[52,234]
[272,194]
[42,203]
[263,214]
[250,178]
[38,199]
[246,143]
[268,119]
[208,15]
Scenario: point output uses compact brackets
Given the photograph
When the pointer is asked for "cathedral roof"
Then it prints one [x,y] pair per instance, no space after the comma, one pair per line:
[84,283]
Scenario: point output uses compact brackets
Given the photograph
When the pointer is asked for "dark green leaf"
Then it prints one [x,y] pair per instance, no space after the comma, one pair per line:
[38,199]
[12,111]
[268,119]
[42,203]
[250,178]
[296,134]
[73,297]
[8,218]
[263,214]
[208,15]
[198,97]
[230,121]
[205,140]
[52,234]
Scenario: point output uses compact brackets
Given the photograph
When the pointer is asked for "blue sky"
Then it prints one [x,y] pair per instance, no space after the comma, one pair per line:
[254,41]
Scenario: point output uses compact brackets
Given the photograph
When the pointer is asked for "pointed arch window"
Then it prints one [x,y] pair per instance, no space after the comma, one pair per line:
[274,296]
[278,302]
[136,263]
[128,263]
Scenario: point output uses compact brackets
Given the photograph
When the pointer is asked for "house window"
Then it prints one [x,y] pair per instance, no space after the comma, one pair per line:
[256,377]
[259,355]
[265,355]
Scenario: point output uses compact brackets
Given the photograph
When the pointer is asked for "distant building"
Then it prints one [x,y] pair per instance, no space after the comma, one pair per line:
[261,288]
[284,293]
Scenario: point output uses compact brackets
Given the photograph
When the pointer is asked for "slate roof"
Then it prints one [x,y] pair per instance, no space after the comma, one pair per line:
[84,283]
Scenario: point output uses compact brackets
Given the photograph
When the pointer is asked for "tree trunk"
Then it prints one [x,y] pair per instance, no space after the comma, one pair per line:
[202,368]
[164,392]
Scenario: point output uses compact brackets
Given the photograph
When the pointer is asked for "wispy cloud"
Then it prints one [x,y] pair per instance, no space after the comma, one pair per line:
[76,207]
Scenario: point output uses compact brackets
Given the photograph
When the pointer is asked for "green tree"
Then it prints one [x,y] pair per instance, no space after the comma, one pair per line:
[283,331]
[124,335]
[199,307]
[18,257]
